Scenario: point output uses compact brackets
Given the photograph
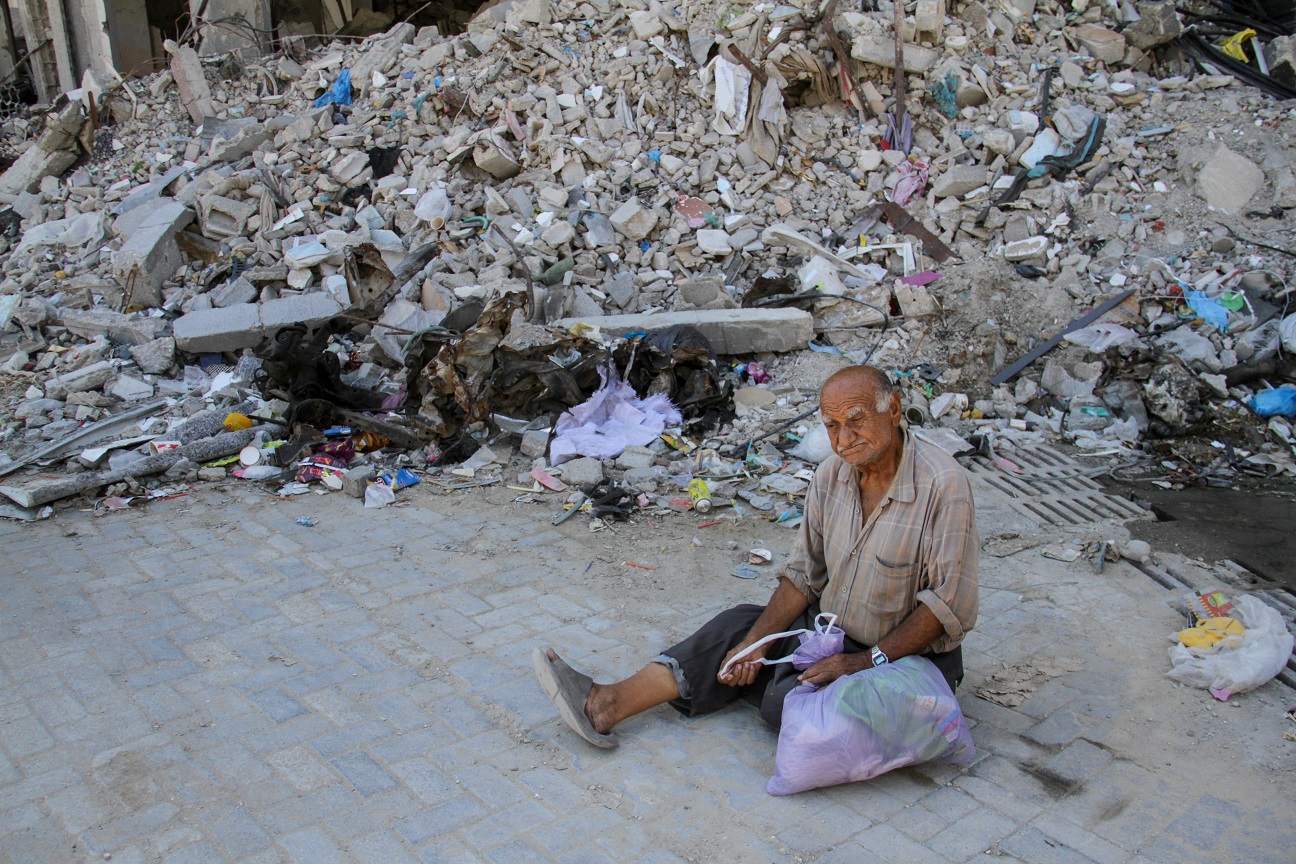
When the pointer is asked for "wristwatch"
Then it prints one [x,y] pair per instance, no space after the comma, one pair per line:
[879,656]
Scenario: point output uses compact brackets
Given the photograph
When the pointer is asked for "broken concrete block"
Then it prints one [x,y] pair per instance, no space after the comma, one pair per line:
[357,479]
[914,301]
[636,457]
[633,220]
[534,443]
[35,164]
[131,389]
[380,54]
[879,49]
[582,471]
[1280,57]
[730,331]
[244,142]
[227,329]
[1020,250]
[1158,26]
[621,288]
[713,241]
[496,158]
[302,309]
[239,290]
[187,70]
[90,377]
[156,357]
[223,217]
[1285,188]
[646,24]
[959,180]
[1105,45]
[346,169]
[150,256]
[1229,180]
[164,211]
[129,329]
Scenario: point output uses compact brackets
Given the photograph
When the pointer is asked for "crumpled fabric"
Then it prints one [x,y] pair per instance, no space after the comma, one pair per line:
[913,179]
[611,420]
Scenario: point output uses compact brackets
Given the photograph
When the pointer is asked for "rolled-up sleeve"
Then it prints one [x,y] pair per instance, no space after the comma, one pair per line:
[805,567]
[949,587]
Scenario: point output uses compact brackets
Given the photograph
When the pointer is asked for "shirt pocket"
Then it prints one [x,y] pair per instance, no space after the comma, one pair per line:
[894,587]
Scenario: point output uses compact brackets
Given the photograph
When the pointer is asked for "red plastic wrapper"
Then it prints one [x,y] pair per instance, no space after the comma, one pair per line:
[314,468]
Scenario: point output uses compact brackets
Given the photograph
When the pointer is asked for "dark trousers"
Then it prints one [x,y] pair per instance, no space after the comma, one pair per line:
[700,655]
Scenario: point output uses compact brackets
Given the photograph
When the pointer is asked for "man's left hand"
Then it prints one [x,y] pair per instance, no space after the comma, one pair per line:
[831,668]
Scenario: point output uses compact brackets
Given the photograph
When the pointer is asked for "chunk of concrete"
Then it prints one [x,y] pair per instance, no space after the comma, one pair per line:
[34,165]
[90,377]
[879,50]
[379,55]
[1105,45]
[959,180]
[165,211]
[496,158]
[713,241]
[156,357]
[129,329]
[186,69]
[1280,57]
[1020,250]
[131,389]
[223,217]
[582,471]
[1229,180]
[302,309]
[633,220]
[150,256]
[231,293]
[227,329]
[1158,26]
[730,331]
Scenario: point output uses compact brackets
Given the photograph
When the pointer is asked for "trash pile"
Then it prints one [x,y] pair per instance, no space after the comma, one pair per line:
[607,234]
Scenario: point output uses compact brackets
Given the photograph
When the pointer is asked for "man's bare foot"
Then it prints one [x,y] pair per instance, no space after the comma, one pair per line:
[571,692]
[599,707]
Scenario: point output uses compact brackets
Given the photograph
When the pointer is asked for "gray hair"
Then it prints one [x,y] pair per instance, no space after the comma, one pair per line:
[870,376]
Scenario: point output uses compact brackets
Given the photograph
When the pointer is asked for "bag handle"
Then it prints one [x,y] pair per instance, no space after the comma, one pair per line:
[821,628]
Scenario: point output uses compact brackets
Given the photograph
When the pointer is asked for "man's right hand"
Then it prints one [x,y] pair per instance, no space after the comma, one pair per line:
[743,672]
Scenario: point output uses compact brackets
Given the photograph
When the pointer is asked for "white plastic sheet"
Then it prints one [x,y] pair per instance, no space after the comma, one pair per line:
[1239,663]
[611,420]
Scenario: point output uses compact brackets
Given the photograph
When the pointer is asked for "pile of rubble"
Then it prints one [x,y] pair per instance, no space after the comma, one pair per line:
[436,241]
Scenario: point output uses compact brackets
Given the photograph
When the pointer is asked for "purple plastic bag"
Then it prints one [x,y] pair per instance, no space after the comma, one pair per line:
[824,640]
[866,724]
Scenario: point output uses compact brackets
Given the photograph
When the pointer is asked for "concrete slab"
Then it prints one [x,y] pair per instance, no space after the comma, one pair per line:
[730,331]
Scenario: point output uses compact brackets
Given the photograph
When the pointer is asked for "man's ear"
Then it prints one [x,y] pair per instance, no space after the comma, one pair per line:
[896,412]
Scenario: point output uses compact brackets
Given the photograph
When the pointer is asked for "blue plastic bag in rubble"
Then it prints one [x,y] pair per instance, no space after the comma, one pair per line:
[1281,401]
[339,93]
[869,723]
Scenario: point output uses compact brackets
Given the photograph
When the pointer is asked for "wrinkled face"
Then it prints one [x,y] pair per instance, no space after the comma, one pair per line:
[859,433]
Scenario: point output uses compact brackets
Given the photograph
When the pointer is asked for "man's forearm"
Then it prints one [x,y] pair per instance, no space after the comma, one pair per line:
[915,634]
[785,605]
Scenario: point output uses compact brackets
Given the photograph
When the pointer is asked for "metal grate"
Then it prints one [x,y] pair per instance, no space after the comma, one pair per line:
[1052,489]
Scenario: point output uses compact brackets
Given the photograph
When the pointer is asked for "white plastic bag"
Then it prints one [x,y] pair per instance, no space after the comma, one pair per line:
[1239,663]
[1100,337]
[378,495]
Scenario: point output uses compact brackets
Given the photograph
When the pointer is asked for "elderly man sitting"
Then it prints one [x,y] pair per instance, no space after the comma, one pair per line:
[888,544]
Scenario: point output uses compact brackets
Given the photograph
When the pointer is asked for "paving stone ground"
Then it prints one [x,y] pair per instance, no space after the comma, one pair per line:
[207,681]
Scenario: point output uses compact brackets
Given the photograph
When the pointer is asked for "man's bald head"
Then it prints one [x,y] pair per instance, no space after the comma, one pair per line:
[854,379]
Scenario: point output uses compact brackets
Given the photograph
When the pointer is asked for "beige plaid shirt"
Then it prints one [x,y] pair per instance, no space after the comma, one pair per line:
[919,545]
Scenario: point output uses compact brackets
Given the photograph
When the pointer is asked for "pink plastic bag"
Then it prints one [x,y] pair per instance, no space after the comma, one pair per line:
[824,640]
[866,724]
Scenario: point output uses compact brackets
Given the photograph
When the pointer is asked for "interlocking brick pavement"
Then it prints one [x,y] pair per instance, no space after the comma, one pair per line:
[205,680]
